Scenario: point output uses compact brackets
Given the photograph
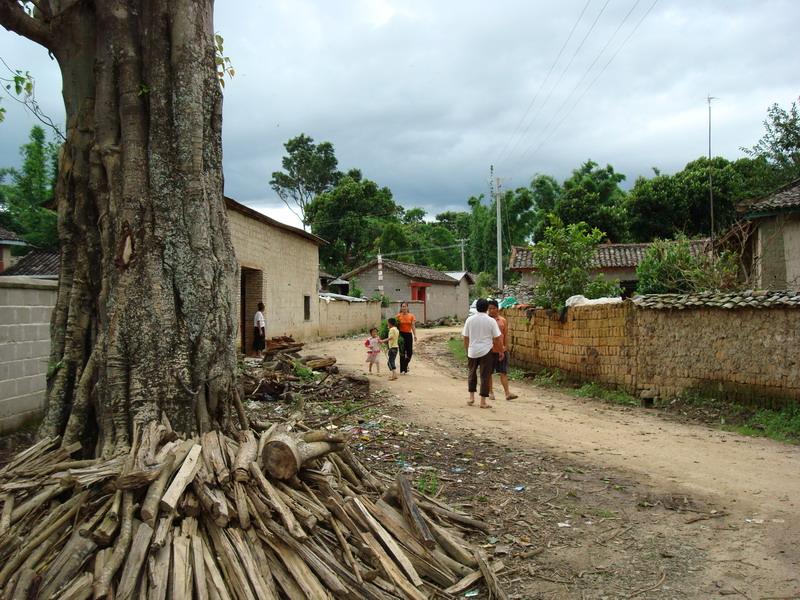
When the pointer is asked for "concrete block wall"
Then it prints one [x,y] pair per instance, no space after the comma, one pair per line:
[25,308]
[342,317]
[747,354]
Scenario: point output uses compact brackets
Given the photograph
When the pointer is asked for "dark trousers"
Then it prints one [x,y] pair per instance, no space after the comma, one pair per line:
[408,350]
[392,356]
[484,364]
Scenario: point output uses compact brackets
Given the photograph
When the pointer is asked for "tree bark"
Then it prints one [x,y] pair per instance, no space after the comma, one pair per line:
[143,324]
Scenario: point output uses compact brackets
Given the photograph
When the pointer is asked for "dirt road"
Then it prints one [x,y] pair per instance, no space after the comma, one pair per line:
[754,480]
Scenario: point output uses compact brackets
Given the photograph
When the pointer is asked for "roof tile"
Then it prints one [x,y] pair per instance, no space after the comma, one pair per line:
[38,263]
[785,198]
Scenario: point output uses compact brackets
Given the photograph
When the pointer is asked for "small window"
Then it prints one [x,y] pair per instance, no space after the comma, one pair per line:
[307,308]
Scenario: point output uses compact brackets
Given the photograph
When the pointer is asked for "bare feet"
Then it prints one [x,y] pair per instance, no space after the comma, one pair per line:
[484,405]
[511,397]
[471,401]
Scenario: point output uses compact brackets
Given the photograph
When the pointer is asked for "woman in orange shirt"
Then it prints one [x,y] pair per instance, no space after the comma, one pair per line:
[408,331]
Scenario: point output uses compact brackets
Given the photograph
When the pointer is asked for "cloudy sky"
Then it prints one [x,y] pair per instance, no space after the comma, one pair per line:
[423,96]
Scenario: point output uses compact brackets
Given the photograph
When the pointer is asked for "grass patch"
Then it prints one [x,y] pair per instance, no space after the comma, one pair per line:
[554,378]
[516,374]
[456,347]
[303,372]
[782,425]
[595,390]
[428,483]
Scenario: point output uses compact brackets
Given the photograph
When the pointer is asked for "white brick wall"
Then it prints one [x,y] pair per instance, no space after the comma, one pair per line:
[25,307]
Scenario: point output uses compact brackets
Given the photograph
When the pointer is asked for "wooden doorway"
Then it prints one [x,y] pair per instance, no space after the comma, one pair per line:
[251,292]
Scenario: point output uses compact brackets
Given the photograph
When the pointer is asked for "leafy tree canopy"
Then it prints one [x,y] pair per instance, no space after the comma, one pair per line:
[25,191]
[780,144]
[309,170]
[592,195]
[563,259]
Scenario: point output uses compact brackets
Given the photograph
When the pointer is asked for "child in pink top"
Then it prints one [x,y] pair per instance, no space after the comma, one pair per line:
[373,344]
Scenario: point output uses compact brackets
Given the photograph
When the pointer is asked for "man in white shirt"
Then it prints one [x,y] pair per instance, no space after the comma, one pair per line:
[480,333]
[259,331]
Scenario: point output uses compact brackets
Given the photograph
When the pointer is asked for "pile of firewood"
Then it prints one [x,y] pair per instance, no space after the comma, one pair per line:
[285,513]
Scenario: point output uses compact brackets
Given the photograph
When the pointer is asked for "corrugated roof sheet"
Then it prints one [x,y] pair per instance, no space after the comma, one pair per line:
[727,300]
[408,269]
[607,256]
[784,198]
[38,263]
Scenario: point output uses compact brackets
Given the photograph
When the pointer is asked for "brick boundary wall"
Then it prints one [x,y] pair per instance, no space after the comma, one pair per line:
[25,308]
[340,317]
[744,354]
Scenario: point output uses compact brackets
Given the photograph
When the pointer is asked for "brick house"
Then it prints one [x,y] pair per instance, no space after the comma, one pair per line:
[279,265]
[772,245]
[439,294]
[612,261]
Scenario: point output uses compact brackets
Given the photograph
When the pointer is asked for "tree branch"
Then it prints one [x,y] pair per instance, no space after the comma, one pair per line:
[14,18]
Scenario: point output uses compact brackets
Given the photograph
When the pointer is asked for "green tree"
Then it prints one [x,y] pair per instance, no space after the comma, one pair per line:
[592,195]
[351,216]
[546,194]
[309,170]
[142,325]
[780,144]
[457,222]
[30,187]
[563,259]
[675,267]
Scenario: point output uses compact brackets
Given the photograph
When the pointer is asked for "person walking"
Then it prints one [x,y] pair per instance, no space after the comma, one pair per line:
[406,323]
[480,334]
[501,352]
[392,338]
[259,331]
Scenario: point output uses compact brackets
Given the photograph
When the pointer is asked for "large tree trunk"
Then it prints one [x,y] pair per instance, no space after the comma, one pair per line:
[144,323]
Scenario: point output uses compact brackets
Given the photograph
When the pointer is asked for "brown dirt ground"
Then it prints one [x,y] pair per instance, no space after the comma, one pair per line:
[589,500]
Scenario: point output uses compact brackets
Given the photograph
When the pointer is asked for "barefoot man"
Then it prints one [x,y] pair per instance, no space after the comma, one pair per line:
[501,352]
[480,334]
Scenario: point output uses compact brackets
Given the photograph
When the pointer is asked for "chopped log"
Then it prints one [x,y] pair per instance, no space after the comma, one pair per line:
[163,530]
[182,479]
[102,584]
[241,505]
[79,588]
[451,544]
[286,581]
[67,564]
[495,589]
[320,363]
[244,422]
[216,584]
[392,571]
[108,526]
[133,565]
[212,450]
[285,454]
[198,567]
[413,514]
[248,447]
[276,503]
[158,570]
[388,541]
[172,462]
[468,581]
[49,526]
[38,500]
[181,569]
[8,508]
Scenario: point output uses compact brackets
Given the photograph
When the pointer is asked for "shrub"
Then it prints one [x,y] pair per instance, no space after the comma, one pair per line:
[672,267]
[563,258]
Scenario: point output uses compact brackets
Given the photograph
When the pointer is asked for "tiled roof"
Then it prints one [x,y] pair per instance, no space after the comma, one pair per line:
[728,300]
[326,275]
[785,198]
[38,263]
[10,236]
[408,269]
[607,256]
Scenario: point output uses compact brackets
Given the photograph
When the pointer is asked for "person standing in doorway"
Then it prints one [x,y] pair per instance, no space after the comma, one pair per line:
[501,352]
[406,323]
[480,334]
[259,331]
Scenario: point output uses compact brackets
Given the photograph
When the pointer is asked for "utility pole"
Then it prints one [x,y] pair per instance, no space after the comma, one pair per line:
[495,192]
[463,263]
[709,98]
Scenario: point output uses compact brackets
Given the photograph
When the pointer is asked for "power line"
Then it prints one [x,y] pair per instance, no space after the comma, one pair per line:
[586,90]
[502,154]
[588,70]
[564,71]
[414,251]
